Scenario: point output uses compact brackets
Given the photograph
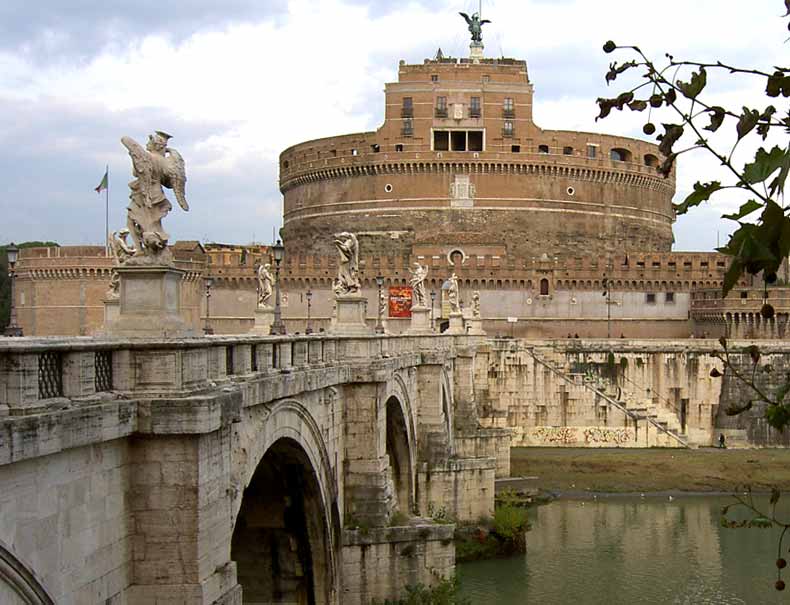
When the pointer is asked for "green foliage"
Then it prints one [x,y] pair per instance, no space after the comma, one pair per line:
[443,593]
[679,87]
[510,522]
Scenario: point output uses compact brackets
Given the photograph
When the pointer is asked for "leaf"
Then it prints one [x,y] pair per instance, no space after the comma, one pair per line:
[745,210]
[754,353]
[717,115]
[692,89]
[672,133]
[778,84]
[666,166]
[637,105]
[764,165]
[747,122]
[732,276]
[761,522]
[777,416]
[781,392]
[787,6]
[701,193]
[606,106]
[670,97]
[777,186]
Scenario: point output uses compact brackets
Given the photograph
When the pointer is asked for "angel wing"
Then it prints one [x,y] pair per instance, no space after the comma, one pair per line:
[465,16]
[177,176]
[484,21]
[142,164]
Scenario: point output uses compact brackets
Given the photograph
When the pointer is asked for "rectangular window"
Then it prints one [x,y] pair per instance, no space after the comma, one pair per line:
[441,140]
[515,148]
[508,108]
[592,151]
[650,298]
[408,127]
[669,297]
[474,107]
[475,140]
[399,147]
[458,140]
[434,78]
[744,295]
[407,111]
[441,107]
[507,129]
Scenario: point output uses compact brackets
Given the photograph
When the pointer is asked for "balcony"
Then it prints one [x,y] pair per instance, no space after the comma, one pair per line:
[508,114]
[474,112]
[508,133]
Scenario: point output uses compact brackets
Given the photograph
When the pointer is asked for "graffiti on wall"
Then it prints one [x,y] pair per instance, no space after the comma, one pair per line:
[610,436]
[555,435]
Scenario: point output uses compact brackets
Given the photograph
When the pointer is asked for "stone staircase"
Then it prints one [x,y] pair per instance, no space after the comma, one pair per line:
[664,421]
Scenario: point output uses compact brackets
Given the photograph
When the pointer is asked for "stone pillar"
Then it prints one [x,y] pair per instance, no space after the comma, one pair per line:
[456,323]
[350,319]
[150,304]
[264,318]
[420,321]
[474,326]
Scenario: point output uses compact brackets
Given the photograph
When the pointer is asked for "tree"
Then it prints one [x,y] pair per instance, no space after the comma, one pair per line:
[763,243]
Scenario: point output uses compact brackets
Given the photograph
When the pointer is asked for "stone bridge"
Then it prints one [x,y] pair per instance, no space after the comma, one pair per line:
[314,469]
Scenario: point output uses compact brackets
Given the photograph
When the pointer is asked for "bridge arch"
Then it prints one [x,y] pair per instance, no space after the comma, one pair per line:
[286,527]
[401,443]
[18,583]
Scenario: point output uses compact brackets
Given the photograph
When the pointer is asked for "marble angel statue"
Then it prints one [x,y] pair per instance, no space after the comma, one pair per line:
[347,281]
[265,282]
[417,282]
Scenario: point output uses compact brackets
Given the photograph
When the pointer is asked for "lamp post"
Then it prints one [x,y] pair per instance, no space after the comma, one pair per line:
[379,325]
[13,329]
[207,329]
[278,250]
[309,295]
[433,300]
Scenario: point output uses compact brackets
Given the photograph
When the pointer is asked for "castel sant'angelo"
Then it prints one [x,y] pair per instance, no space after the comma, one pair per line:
[560,232]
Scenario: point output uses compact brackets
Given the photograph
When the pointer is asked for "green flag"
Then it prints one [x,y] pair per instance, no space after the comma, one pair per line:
[103,185]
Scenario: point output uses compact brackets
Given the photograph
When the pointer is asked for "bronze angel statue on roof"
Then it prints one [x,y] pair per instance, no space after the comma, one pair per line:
[154,167]
[475,26]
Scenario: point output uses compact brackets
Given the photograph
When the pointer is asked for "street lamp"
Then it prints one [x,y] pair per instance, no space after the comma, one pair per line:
[379,325]
[433,300]
[13,253]
[309,295]
[278,250]
[207,329]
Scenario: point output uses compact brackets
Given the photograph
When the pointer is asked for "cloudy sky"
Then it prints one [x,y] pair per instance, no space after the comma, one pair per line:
[238,81]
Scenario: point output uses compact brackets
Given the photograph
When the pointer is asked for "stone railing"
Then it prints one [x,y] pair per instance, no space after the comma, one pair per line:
[42,375]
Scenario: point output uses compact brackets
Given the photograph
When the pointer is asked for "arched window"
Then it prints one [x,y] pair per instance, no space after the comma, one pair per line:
[544,287]
[651,160]
[543,148]
[567,151]
[619,154]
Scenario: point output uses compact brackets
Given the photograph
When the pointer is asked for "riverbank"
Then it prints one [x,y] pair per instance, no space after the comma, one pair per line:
[705,470]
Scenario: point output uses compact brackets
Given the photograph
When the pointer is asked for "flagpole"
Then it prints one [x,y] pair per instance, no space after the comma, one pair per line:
[107,213]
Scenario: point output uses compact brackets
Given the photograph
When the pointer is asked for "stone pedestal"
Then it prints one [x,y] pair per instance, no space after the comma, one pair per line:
[350,316]
[420,321]
[149,305]
[264,318]
[475,326]
[456,323]
[476,52]
[112,310]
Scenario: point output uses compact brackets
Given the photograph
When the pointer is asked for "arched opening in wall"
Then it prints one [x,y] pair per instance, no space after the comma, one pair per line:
[398,453]
[618,154]
[651,160]
[544,287]
[281,539]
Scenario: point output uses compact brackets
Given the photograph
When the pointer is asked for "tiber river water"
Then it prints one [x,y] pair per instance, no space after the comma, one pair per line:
[634,550]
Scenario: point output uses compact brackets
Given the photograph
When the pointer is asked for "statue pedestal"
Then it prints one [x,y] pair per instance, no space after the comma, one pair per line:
[264,318]
[456,323]
[350,316]
[475,325]
[149,304]
[112,310]
[476,52]
[420,321]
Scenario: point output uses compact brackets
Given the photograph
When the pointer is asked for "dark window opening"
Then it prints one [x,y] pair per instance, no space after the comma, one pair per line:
[441,140]
[407,111]
[544,287]
[334,153]
[434,78]
[508,108]
[399,147]
[744,295]
[375,148]
[507,129]
[474,107]
[543,148]
[650,298]
[592,151]
[408,127]
[651,160]
[458,140]
[475,140]
[441,107]
[670,297]
[620,155]
[515,148]
[354,152]
[567,151]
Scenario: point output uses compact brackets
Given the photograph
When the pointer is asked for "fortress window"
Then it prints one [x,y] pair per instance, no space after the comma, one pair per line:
[475,140]
[669,297]
[486,78]
[507,129]
[474,107]
[687,264]
[620,155]
[355,152]
[515,148]
[543,148]
[592,151]
[434,77]
[650,298]
[334,153]
[407,111]
[744,295]
[408,127]
[286,164]
[375,148]
[441,107]
[458,140]
[441,140]
[567,151]
[399,147]
[508,108]
[651,160]
[544,287]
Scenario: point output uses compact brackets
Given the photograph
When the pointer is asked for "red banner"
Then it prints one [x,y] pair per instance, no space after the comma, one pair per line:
[400,301]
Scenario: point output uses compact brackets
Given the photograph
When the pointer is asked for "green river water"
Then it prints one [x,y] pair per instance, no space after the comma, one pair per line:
[634,550]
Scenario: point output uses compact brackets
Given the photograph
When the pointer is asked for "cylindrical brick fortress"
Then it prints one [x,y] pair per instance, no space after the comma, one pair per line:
[459,162]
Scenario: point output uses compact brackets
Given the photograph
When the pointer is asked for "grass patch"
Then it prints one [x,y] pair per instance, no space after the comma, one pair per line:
[443,593]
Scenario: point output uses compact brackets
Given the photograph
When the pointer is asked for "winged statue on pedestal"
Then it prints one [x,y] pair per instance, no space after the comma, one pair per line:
[475,26]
